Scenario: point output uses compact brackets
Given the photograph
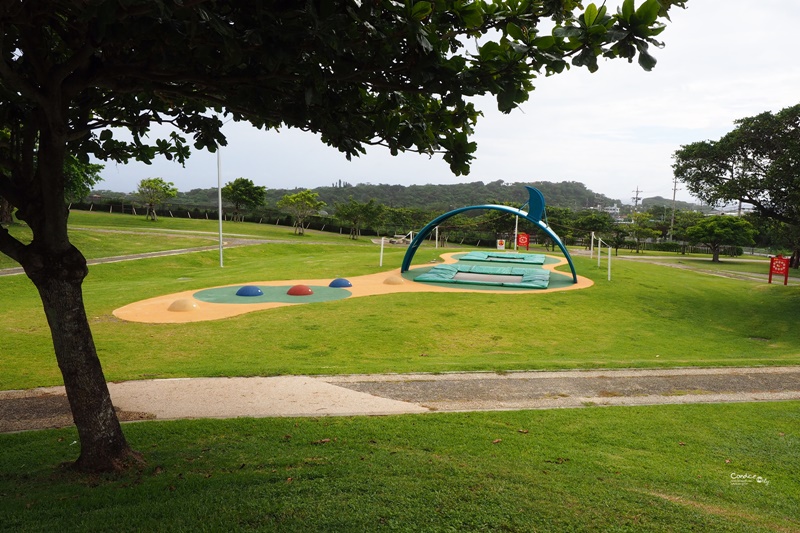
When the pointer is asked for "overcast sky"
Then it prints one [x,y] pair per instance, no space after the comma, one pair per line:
[614,130]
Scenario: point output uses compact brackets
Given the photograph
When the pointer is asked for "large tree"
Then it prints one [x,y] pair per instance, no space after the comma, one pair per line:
[383,72]
[358,214]
[153,191]
[721,230]
[757,163]
[588,222]
[641,229]
[242,192]
[300,206]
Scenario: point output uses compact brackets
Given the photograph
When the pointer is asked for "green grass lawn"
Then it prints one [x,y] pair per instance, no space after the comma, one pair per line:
[660,468]
[647,316]
[99,243]
[100,235]
[96,220]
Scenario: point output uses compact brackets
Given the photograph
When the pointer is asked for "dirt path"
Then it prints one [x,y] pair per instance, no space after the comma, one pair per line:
[352,395]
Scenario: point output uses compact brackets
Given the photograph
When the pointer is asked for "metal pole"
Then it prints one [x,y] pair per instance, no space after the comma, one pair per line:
[672,218]
[382,241]
[516,228]
[219,201]
[600,243]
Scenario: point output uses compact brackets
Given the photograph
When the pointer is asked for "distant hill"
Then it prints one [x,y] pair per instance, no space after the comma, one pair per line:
[431,197]
[647,203]
[447,196]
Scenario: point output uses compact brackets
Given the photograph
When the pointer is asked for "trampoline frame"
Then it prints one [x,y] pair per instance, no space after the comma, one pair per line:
[534,215]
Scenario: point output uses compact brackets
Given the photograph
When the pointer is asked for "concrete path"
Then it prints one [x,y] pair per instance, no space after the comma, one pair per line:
[347,395]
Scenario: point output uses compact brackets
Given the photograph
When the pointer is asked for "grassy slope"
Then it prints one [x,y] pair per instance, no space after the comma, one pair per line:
[660,468]
[647,316]
[665,468]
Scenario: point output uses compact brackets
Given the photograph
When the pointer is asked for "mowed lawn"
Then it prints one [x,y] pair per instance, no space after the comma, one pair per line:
[725,467]
[729,467]
[648,316]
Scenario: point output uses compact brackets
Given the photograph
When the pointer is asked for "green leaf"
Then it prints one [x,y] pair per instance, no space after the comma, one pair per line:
[489,51]
[648,12]
[597,29]
[627,10]
[472,15]
[601,14]
[506,100]
[616,35]
[567,32]
[586,59]
[515,31]
[590,15]
[421,10]
[646,61]
[557,67]
[545,42]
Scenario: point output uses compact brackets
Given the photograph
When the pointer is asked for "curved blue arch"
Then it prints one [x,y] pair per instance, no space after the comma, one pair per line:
[534,215]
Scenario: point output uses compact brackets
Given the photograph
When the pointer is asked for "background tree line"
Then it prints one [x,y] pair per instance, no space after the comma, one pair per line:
[655,225]
[432,197]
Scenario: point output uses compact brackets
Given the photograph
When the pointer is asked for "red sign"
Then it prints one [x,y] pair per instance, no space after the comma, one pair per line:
[523,239]
[779,265]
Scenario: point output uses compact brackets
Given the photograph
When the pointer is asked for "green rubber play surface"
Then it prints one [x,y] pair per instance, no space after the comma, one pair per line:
[227,295]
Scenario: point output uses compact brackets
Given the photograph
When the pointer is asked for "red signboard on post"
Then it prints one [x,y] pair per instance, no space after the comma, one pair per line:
[779,265]
[523,239]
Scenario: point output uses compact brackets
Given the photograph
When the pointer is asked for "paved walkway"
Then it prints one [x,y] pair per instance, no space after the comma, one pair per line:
[348,395]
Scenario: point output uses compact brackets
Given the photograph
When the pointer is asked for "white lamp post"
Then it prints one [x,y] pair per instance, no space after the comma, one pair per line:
[219,198]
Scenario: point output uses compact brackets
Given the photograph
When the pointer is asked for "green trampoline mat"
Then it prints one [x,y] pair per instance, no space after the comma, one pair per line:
[556,281]
[227,295]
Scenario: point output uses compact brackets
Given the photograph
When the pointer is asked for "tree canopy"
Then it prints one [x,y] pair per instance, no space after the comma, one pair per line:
[721,230]
[757,163]
[242,192]
[397,74]
[153,191]
[356,214]
[301,206]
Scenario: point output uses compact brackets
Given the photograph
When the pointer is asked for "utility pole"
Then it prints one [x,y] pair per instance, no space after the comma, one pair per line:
[636,200]
[672,220]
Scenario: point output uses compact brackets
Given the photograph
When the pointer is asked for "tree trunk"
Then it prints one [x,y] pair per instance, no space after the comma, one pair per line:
[58,280]
[715,254]
[5,212]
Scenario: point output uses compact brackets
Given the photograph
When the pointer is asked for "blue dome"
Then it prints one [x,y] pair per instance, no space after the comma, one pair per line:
[249,290]
[340,282]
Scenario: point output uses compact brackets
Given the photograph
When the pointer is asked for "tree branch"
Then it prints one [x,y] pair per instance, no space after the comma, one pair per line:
[11,246]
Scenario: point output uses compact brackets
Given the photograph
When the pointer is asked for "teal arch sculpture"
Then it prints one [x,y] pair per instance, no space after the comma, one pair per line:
[534,215]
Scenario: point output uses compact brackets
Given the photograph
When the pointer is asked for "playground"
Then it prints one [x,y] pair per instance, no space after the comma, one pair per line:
[462,273]
[475,271]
